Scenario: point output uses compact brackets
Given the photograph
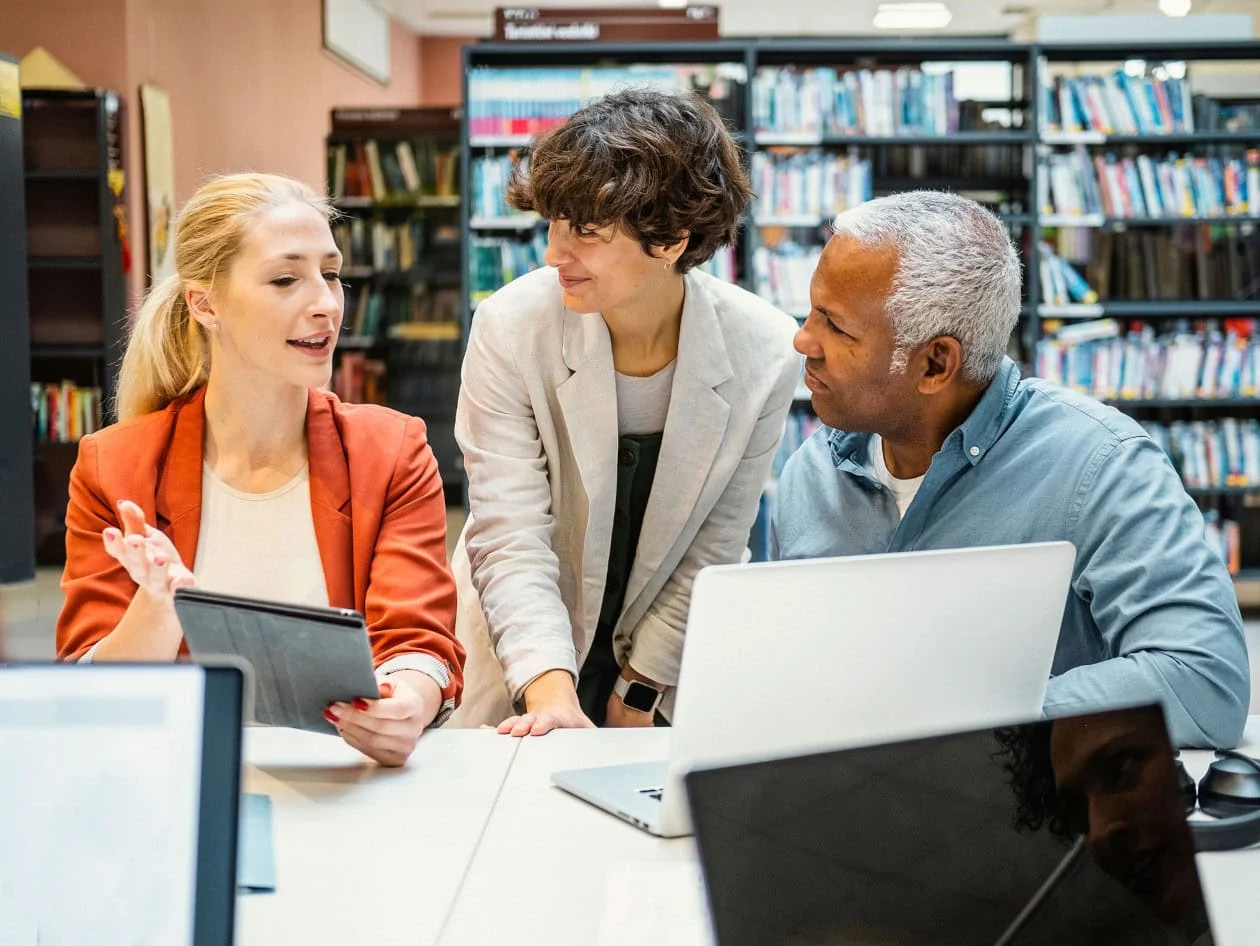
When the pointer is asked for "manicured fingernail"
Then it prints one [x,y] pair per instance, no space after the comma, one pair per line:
[361,704]
[330,716]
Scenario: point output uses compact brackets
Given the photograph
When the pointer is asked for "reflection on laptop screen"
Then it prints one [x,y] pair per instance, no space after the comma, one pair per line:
[1065,832]
[100,785]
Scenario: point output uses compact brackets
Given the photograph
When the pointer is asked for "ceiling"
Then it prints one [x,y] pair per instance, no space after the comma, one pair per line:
[805,17]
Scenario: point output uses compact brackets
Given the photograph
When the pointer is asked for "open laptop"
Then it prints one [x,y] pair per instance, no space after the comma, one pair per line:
[119,793]
[1066,832]
[790,657]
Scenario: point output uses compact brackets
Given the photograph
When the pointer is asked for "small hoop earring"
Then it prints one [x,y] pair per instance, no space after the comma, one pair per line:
[668,264]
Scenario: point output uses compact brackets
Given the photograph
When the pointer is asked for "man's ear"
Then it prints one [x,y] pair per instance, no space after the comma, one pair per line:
[938,364]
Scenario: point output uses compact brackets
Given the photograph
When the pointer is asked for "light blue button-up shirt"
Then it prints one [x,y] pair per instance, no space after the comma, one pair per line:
[1151,614]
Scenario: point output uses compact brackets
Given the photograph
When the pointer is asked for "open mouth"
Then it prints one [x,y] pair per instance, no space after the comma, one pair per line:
[313,344]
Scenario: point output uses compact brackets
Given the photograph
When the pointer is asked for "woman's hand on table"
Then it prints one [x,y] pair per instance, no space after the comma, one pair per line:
[387,729]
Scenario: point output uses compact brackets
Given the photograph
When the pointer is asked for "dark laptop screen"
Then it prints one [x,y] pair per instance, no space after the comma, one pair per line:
[1065,832]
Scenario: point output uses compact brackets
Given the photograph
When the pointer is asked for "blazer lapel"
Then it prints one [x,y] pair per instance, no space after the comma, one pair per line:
[588,404]
[330,502]
[694,428]
[177,503]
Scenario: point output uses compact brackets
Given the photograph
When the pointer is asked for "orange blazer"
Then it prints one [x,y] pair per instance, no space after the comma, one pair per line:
[376,499]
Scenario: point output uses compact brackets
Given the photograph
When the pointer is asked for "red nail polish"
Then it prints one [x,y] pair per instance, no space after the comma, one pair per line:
[361,705]
[330,716]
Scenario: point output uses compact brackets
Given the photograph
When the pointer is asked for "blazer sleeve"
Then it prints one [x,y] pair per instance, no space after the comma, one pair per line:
[97,589]
[509,533]
[657,643]
[410,600]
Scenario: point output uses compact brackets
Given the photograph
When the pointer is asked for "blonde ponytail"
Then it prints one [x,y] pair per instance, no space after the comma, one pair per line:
[168,354]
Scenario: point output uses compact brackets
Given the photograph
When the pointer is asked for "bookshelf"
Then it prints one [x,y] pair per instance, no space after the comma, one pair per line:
[17,516]
[1148,196]
[75,271]
[393,176]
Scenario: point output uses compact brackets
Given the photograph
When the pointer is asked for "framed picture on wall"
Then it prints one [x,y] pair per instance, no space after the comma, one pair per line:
[357,32]
[159,180]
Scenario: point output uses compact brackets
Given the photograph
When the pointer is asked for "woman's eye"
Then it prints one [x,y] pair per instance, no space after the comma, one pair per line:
[332,277]
[284,282]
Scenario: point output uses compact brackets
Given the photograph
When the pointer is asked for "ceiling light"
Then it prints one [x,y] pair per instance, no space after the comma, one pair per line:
[1175,7]
[912,16]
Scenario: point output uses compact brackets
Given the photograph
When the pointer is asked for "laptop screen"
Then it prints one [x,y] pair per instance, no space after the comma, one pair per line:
[1059,832]
[118,804]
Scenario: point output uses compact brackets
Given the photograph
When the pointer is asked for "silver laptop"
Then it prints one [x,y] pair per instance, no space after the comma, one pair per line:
[788,658]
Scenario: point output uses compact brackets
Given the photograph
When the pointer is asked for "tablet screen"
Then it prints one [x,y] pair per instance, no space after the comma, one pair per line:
[100,785]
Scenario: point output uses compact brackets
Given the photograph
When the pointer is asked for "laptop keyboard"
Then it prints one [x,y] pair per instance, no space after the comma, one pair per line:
[652,793]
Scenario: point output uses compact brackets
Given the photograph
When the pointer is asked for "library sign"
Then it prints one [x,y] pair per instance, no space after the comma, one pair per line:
[605,25]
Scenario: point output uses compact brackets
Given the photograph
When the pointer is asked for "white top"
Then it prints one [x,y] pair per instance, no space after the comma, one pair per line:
[903,490]
[260,545]
[642,403]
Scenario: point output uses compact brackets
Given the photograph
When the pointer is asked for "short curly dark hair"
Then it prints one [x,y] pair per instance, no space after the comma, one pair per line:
[1024,754]
[656,164]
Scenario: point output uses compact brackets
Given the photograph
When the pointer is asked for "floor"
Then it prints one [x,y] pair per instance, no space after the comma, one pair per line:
[30,615]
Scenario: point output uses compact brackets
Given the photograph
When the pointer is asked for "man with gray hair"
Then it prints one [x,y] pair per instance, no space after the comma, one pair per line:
[932,440]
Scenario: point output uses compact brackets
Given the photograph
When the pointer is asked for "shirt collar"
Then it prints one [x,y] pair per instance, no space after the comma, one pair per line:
[976,434]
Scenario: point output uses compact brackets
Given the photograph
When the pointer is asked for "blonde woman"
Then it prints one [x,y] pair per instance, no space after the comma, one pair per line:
[233,470]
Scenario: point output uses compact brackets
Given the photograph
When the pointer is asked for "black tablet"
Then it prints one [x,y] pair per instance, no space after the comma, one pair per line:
[299,658]
[119,802]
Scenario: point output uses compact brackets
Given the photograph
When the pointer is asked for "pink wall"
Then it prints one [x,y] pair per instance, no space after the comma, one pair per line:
[250,84]
[441,67]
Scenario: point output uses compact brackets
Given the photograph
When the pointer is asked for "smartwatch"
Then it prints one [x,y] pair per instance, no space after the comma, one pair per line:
[637,696]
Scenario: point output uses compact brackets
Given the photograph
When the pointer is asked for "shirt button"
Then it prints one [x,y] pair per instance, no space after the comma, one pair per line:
[974,451]
[627,457]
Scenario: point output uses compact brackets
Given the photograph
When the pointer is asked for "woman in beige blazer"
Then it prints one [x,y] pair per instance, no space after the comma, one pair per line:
[618,415]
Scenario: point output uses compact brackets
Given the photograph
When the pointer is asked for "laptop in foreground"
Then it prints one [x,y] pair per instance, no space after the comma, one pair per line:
[119,794]
[1068,832]
[789,657]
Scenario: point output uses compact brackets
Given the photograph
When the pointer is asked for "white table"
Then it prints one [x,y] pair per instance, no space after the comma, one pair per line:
[601,882]
[606,883]
[366,854]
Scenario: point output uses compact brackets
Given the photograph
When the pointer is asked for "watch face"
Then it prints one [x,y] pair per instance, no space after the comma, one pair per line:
[640,696]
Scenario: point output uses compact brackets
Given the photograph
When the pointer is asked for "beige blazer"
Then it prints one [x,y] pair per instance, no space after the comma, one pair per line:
[537,423]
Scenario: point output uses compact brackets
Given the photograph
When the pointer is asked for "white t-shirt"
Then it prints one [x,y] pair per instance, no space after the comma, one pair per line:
[902,490]
[260,545]
[643,403]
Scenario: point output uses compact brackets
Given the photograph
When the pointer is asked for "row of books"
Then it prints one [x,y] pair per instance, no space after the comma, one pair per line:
[358,379]
[1207,261]
[490,176]
[530,101]
[405,312]
[1225,538]
[380,245]
[1061,284]
[392,169]
[781,275]
[1118,104]
[65,412]
[494,262]
[1144,187]
[814,183]
[1212,453]
[877,102]
[986,168]
[722,265]
[1099,358]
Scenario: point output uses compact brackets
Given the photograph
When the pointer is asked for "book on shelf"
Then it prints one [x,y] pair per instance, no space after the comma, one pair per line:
[370,311]
[358,379]
[1101,359]
[1225,538]
[781,275]
[1060,283]
[722,265]
[1212,454]
[1176,185]
[64,412]
[891,102]
[528,101]
[378,245]
[813,183]
[490,176]
[383,170]
[494,262]
[1191,261]
[1118,104]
